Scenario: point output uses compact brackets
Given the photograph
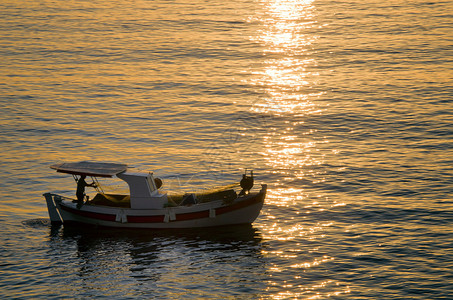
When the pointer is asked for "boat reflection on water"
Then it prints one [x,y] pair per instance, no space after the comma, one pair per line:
[221,234]
[168,260]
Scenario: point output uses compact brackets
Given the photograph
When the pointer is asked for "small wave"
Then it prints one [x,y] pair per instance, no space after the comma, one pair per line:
[36,223]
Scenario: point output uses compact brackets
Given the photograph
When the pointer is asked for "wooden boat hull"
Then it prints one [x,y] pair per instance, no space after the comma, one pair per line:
[243,210]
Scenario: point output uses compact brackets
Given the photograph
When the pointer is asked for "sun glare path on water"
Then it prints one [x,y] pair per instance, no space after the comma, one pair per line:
[288,78]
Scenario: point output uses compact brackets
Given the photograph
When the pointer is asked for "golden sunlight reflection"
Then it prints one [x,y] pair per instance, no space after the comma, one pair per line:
[288,79]
[279,232]
[285,76]
[310,292]
[284,196]
[284,21]
[315,262]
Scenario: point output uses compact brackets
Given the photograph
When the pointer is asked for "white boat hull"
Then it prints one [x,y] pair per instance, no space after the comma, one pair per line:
[243,210]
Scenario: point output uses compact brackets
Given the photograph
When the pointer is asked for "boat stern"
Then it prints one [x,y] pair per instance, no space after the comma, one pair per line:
[52,200]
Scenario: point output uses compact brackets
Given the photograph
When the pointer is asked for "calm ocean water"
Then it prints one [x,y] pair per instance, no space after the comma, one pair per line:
[344,108]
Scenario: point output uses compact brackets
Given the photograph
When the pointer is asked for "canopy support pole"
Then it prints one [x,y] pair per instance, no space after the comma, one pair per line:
[98,187]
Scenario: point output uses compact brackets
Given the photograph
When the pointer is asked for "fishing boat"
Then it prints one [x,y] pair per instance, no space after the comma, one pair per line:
[146,206]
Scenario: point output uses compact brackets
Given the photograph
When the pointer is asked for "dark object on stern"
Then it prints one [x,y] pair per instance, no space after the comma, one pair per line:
[246,183]
[158,182]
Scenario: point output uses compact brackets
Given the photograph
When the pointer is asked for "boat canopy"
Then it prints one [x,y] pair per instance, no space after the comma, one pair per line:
[97,169]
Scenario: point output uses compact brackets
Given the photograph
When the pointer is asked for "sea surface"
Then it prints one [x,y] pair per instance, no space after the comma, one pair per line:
[344,108]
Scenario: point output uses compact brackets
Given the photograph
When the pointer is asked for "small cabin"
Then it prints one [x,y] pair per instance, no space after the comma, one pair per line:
[144,193]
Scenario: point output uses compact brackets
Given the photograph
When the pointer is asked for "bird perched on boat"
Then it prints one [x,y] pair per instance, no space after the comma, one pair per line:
[246,182]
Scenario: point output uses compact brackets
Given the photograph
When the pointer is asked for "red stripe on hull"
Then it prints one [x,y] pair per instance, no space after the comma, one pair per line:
[145,219]
[192,216]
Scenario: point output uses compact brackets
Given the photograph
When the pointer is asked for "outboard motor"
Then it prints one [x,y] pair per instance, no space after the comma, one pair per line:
[246,183]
